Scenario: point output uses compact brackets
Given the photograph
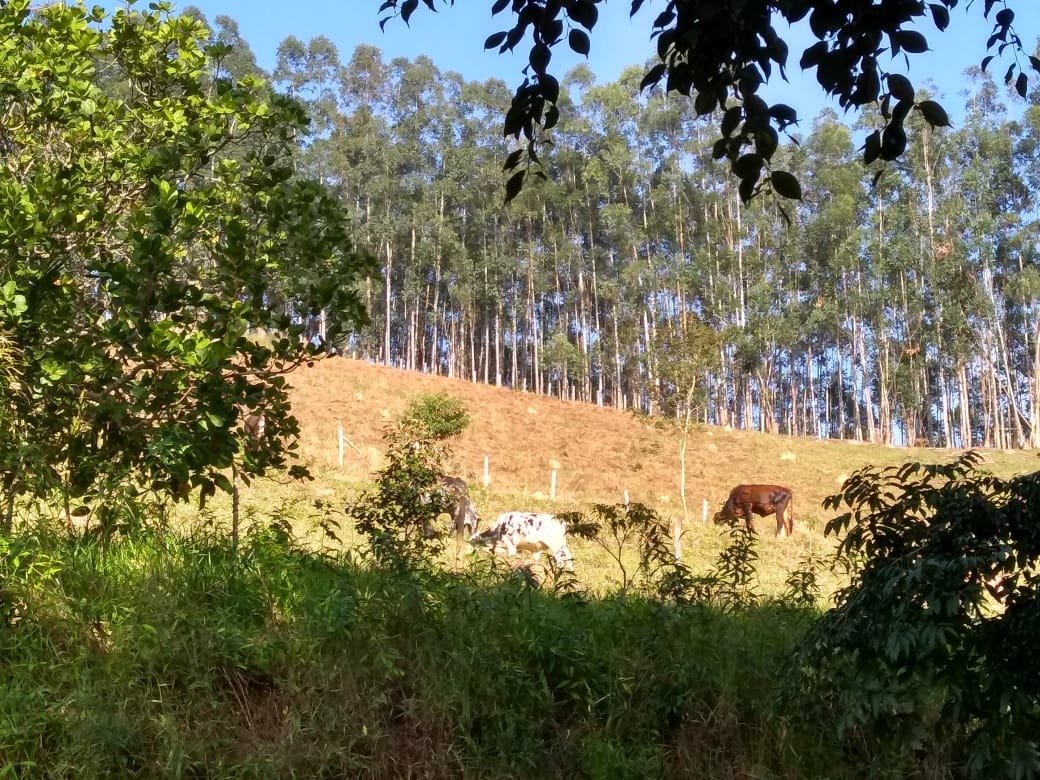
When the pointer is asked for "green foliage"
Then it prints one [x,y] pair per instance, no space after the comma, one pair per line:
[397,516]
[640,544]
[802,586]
[934,641]
[616,529]
[150,224]
[734,573]
[683,359]
[436,415]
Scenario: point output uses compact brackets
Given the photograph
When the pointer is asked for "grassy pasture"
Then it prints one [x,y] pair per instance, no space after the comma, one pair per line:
[599,453]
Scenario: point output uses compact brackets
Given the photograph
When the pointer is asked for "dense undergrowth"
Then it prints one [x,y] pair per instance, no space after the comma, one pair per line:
[173,656]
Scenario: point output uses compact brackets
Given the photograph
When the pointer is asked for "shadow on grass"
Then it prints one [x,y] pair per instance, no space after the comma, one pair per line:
[172,657]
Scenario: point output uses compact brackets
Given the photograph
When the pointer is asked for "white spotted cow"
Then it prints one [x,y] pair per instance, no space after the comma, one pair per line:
[529,531]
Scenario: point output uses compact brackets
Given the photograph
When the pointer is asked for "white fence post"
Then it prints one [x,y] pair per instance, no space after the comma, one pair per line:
[339,441]
[552,485]
[626,498]
[487,471]
[704,510]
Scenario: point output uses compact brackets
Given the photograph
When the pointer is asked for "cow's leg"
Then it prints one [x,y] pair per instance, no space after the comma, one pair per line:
[458,520]
[746,508]
[564,557]
[783,518]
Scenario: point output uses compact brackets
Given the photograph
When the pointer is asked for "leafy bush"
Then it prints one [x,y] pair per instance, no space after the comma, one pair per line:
[437,416]
[397,516]
[933,644]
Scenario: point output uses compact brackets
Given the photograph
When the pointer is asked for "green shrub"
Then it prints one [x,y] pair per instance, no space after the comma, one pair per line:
[932,647]
[437,416]
[397,516]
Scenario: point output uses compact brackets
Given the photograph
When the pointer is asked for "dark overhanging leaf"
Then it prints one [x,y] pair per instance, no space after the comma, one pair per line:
[550,88]
[845,58]
[584,12]
[911,41]
[514,184]
[579,42]
[933,113]
[408,9]
[539,58]
[746,189]
[872,147]
[786,185]
[653,76]
[893,142]
[552,116]
[900,87]
[1021,83]
[495,40]
[748,166]
[1004,17]
[940,16]
[513,159]
[730,120]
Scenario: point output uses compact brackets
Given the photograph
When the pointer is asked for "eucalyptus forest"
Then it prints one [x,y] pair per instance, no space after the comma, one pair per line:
[905,312]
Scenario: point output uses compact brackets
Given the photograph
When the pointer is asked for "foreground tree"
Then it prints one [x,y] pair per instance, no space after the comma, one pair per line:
[159,262]
[721,52]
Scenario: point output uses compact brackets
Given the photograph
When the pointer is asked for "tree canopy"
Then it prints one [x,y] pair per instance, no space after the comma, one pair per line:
[721,52]
[159,260]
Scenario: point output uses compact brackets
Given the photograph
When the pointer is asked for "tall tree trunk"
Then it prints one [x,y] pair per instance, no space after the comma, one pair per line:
[388,308]
[1034,390]
[884,392]
[964,396]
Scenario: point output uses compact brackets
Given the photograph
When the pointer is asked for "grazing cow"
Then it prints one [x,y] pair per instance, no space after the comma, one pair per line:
[531,531]
[464,517]
[747,500]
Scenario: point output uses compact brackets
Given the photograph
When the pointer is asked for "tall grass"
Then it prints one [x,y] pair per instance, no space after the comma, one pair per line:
[169,656]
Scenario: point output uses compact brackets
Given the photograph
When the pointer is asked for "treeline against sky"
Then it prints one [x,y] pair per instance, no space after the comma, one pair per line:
[632,276]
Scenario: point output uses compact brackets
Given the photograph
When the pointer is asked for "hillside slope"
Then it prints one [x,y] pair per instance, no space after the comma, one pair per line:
[599,453]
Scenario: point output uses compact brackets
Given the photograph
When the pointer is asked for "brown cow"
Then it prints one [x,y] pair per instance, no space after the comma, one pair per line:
[747,500]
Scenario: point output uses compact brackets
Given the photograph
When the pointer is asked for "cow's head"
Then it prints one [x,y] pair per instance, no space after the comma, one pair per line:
[485,538]
[470,518]
[722,517]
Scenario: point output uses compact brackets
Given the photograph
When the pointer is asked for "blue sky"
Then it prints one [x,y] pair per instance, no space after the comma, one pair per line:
[453,38]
